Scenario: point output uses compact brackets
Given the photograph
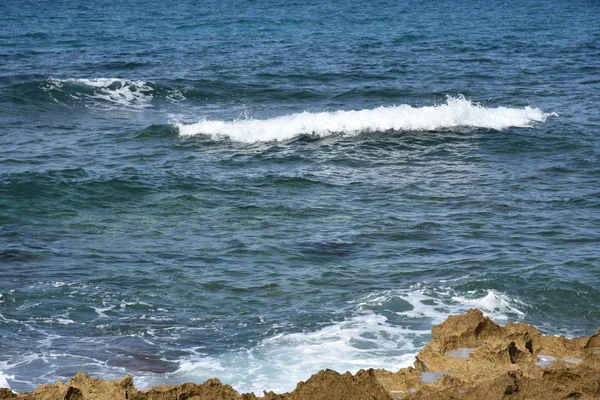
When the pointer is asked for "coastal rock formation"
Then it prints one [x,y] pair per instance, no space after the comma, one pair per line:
[469,357]
[330,385]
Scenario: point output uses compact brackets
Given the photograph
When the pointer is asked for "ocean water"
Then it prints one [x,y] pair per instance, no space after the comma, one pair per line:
[256,190]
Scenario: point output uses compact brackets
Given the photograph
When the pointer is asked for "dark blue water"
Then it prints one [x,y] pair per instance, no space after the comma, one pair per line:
[231,188]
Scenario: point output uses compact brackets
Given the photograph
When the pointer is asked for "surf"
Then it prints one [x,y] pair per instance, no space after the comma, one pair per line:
[95,93]
[454,113]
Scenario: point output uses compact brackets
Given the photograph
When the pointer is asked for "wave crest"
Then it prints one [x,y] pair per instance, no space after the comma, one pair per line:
[456,112]
[96,93]
[109,92]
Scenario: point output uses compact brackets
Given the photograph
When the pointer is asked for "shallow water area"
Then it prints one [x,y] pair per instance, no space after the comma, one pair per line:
[545,360]
[462,352]
[431,377]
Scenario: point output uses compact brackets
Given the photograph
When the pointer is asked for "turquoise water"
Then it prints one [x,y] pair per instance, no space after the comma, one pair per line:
[231,189]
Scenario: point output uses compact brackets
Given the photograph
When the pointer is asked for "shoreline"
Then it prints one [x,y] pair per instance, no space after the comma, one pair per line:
[469,356]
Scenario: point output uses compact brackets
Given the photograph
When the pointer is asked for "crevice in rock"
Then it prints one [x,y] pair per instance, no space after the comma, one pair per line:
[513,352]
[514,386]
[73,394]
[420,365]
[529,345]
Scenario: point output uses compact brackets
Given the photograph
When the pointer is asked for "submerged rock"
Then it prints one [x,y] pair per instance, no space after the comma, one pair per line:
[469,357]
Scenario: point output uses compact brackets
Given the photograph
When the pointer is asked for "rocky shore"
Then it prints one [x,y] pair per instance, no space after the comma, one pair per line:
[469,357]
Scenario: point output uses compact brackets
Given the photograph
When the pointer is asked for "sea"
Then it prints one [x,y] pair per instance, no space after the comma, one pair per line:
[255,190]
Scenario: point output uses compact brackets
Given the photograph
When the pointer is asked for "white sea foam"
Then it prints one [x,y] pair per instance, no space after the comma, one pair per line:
[101,310]
[456,112]
[123,92]
[366,340]
[386,330]
[108,92]
[64,321]
[436,303]
[4,380]
[493,303]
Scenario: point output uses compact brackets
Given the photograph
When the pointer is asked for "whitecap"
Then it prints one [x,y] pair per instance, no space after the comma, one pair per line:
[455,113]
[106,92]
[493,303]
[437,303]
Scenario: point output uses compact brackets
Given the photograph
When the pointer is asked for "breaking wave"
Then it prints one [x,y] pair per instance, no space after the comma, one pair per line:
[97,93]
[455,113]
[105,91]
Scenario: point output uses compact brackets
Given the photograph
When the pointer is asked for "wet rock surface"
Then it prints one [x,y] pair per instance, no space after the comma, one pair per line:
[469,357]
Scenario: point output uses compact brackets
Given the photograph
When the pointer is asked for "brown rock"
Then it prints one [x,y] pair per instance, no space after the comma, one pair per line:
[331,385]
[82,387]
[212,389]
[593,343]
[499,363]
[6,394]
[464,330]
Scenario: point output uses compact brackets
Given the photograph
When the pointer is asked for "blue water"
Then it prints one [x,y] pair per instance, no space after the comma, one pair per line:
[235,188]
